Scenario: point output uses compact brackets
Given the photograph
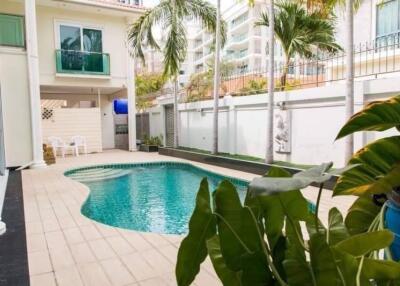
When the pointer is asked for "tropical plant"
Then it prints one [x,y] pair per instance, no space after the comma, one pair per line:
[170,15]
[153,140]
[261,242]
[201,84]
[301,33]
[378,173]
[146,85]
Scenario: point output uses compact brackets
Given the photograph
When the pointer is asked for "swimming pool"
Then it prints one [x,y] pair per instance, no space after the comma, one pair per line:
[151,197]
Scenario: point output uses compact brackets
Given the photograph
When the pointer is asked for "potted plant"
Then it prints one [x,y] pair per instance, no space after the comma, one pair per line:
[151,144]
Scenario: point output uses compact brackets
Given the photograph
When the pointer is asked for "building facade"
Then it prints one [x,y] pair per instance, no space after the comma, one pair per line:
[73,51]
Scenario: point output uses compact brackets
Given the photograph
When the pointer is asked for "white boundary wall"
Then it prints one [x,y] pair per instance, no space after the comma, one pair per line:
[317,115]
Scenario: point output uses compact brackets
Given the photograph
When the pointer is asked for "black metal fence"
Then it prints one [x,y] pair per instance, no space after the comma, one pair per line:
[371,60]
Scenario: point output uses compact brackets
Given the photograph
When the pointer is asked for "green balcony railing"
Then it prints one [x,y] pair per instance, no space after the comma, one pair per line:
[79,62]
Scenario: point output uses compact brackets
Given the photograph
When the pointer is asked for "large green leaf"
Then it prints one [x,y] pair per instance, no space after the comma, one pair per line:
[322,260]
[298,269]
[272,210]
[361,214]
[227,276]
[347,266]
[378,169]
[378,116]
[193,250]
[381,269]
[362,244]
[336,230]
[239,237]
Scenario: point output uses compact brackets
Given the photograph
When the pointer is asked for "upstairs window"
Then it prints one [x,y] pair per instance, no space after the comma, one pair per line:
[12,30]
[387,19]
[81,50]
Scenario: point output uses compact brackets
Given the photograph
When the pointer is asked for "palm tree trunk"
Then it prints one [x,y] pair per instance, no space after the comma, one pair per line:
[349,145]
[284,74]
[176,115]
[269,156]
[216,78]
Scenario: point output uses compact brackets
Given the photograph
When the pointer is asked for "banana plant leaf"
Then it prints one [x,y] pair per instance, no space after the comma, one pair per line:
[240,240]
[322,260]
[361,214]
[296,266]
[270,185]
[227,276]
[336,230]
[363,244]
[377,116]
[377,171]
[193,249]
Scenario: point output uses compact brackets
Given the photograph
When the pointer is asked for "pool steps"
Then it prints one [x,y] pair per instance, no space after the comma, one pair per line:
[99,174]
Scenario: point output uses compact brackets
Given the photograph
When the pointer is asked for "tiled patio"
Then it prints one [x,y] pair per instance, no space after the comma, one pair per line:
[66,248]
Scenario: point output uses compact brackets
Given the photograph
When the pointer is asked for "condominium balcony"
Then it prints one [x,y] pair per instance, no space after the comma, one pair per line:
[82,63]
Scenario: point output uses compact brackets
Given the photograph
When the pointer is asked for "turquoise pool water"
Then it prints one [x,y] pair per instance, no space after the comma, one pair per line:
[149,197]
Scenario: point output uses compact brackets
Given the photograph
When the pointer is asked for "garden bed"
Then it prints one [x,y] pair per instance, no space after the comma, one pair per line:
[258,168]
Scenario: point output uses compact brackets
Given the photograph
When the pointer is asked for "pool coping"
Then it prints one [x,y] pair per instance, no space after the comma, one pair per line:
[257,168]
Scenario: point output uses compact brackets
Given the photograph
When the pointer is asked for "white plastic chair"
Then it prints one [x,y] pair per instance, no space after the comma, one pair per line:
[58,144]
[79,141]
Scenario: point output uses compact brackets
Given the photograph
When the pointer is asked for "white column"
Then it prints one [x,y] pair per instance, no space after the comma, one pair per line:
[34,84]
[131,90]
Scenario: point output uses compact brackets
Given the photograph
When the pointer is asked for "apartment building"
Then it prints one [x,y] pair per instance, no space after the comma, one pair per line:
[73,55]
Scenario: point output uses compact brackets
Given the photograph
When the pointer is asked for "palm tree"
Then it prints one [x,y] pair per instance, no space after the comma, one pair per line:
[349,144]
[300,33]
[269,156]
[216,78]
[170,15]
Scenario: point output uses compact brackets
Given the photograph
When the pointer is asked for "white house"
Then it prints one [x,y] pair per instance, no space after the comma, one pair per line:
[62,62]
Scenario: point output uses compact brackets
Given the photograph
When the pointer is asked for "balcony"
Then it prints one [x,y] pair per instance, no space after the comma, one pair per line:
[82,63]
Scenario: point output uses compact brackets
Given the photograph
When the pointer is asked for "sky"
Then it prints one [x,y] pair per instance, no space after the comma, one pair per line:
[224,3]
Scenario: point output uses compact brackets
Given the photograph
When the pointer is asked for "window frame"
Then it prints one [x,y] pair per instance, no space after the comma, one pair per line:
[377,19]
[81,26]
[23,46]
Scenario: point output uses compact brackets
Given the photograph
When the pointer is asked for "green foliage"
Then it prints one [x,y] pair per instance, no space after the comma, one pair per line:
[201,84]
[153,140]
[146,84]
[379,164]
[261,242]
[301,33]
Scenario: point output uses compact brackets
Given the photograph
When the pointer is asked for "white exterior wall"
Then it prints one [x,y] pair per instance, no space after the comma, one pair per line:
[317,114]
[114,39]
[15,105]
[68,122]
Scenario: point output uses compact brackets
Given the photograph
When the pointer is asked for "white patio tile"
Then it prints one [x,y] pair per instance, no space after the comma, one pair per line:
[61,257]
[117,272]
[82,253]
[120,245]
[36,242]
[68,277]
[101,249]
[73,235]
[90,232]
[93,275]
[39,262]
[46,279]
[138,266]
